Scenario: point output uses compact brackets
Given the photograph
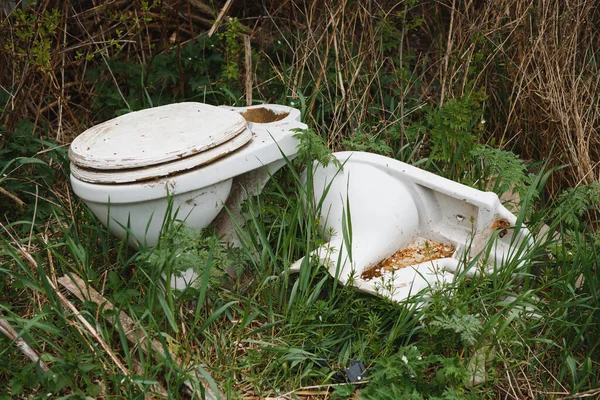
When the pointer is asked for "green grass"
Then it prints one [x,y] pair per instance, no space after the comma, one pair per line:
[533,325]
[268,332]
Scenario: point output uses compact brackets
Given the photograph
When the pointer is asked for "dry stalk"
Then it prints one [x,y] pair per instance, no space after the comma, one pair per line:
[11,196]
[7,330]
[449,44]
[546,50]
[88,327]
[134,334]
[248,64]
[335,51]
[592,393]
[221,15]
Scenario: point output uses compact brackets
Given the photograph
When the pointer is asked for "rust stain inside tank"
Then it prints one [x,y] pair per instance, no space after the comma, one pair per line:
[421,250]
[263,115]
[502,225]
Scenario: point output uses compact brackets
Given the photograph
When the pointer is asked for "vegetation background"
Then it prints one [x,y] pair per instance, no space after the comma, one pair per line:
[501,95]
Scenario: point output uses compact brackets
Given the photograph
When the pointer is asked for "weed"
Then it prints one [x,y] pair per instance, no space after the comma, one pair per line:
[575,203]
[33,37]
[26,174]
[233,46]
[312,146]
[182,248]
[504,169]
[467,326]
[428,83]
[408,375]
[361,140]
[453,133]
[186,74]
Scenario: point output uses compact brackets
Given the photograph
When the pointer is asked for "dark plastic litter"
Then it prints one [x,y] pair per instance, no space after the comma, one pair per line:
[356,372]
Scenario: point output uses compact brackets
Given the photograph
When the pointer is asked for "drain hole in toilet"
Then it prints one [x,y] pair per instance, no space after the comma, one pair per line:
[263,115]
[419,251]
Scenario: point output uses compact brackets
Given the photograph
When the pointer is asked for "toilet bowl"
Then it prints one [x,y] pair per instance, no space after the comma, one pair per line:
[188,160]
[393,230]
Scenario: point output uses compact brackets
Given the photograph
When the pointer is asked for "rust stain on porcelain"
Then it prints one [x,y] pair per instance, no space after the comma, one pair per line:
[502,225]
[421,250]
[263,115]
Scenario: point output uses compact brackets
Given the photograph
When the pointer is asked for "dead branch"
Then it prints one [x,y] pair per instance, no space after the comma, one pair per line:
[7,330]
[134,334]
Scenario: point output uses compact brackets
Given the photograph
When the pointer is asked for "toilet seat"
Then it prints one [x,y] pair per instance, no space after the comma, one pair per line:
[161,170]
[156,142]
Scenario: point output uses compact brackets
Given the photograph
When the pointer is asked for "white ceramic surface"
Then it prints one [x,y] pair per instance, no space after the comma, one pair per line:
[393,205]
[141,222]
[155,136]
[162,170]
[197,194]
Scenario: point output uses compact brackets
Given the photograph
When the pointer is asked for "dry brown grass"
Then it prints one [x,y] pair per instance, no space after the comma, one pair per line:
[334,50]
[536,61]
[55,93]
[560,79]
[540,72]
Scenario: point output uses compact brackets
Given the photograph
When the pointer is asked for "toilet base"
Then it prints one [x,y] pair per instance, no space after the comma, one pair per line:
[228,222]
[248,185]
[411,230]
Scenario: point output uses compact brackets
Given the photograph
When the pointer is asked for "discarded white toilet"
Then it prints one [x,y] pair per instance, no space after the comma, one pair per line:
[192,158]
[409,228]
[393,229]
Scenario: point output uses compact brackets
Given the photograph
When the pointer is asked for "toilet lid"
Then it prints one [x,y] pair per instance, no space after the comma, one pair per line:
[155,136]
[161,170]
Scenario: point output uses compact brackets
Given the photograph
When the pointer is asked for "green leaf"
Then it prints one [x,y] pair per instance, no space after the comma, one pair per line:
[30,160]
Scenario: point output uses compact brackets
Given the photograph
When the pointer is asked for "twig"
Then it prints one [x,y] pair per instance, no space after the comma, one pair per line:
[14,198]
[220,17]
[248,62]
[103,57]
[448,50]
[7,330]
[137,336]
[61,99]
[581,395]
[93,331]
[35,208]
[304,389]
